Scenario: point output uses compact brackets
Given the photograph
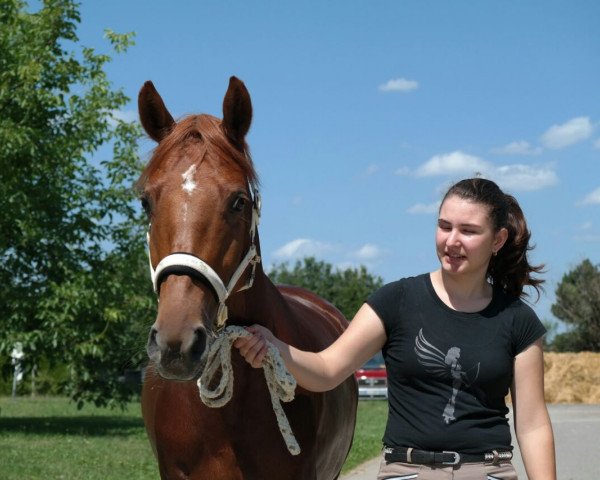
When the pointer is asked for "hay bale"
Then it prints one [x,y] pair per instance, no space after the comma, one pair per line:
[572,377]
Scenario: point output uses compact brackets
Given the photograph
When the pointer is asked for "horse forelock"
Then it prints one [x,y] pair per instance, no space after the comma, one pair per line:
[208,129]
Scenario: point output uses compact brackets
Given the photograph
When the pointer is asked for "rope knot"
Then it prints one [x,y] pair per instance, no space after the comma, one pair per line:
[280,382]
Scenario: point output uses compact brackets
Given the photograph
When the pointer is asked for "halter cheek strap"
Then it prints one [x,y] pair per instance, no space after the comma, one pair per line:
[191,264]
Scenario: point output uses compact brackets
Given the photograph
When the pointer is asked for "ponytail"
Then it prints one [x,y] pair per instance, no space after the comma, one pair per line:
[510,268]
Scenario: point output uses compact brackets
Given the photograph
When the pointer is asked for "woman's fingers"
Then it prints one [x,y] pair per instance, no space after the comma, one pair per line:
[248,344]
[253,348]
[259,358]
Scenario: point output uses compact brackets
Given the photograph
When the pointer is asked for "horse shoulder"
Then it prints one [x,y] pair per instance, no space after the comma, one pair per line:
[313,316]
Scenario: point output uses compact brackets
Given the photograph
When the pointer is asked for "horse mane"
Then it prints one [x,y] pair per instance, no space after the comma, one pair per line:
[206,129]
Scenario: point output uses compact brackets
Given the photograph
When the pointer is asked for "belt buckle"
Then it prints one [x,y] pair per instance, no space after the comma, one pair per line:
[456,460]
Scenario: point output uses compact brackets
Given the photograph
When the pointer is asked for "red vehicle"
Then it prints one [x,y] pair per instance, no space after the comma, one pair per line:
[372,378]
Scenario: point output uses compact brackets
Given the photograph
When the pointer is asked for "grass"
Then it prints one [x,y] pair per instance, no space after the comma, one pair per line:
[370,424]
[49,439]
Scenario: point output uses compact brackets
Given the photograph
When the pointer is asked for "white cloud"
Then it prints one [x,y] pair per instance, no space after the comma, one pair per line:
[455,163]
[587,234]
[372,169]
[402,171]
[422,208]
[592,198]
[591,238]
[511,177]
[517,148]
[597,144]
[302,247]
[368,252]
[573,131]
[340,255]
[523,177]
[399,85]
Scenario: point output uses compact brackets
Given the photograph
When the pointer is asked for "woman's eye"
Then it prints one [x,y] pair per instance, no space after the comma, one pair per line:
[238,204]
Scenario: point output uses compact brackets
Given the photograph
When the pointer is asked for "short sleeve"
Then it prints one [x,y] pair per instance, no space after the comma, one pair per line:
[527,328]
[385,303]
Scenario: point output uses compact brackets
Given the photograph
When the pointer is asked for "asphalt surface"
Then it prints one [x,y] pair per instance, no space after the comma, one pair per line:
[577,439]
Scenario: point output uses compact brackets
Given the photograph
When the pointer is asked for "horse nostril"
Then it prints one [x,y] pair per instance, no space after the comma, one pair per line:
[152,342]
[199,344]
[152,339]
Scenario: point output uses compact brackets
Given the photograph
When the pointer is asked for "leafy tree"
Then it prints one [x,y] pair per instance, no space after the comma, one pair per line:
[346,289]
[578,305]
[72,267]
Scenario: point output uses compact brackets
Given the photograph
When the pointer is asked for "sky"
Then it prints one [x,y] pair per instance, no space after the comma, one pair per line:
[366,112]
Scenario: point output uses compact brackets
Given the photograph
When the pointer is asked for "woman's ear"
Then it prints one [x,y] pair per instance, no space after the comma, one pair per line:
[500,239]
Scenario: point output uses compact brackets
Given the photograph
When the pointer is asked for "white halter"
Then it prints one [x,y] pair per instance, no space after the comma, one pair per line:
[182,261]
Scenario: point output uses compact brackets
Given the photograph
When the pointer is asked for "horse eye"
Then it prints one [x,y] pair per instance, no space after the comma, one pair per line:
[145,205]
[238,204]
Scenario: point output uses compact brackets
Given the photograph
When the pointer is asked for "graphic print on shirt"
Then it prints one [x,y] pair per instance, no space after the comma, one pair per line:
[445,366]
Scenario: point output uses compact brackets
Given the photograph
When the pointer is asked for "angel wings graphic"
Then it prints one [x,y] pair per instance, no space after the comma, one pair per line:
[445,366]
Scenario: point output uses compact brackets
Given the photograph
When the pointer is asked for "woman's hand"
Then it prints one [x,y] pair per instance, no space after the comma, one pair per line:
[324,370]
[254,348]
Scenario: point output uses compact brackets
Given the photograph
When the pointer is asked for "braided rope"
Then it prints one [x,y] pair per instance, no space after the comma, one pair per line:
[280,382]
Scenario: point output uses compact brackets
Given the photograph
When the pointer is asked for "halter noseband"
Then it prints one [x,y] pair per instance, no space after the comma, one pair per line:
[191,264]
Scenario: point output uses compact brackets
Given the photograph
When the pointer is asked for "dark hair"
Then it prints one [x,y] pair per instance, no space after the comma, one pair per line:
[510,268]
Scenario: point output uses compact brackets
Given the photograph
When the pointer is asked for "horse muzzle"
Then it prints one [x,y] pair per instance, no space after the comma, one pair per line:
[180,359]
[179,339]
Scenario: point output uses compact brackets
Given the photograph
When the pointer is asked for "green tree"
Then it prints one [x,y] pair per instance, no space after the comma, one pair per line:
[72,268]
[346,289]
[578,305]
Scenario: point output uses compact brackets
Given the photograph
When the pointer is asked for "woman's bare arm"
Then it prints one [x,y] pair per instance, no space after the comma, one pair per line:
[323,370]
[532,422]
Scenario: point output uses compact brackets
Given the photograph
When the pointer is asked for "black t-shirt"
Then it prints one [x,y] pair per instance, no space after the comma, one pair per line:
[449,372]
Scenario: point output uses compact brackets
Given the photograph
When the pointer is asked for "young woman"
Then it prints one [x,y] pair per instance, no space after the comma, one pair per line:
[455,341]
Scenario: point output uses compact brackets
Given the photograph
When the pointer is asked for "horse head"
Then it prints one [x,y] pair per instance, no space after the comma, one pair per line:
[199,191]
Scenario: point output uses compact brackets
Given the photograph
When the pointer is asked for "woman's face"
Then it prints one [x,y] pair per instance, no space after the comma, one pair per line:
[465,238]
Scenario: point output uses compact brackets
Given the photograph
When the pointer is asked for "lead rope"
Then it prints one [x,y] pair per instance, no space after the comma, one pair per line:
[280,381]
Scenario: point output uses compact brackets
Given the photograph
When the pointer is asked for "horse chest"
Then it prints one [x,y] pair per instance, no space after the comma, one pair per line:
[238,441]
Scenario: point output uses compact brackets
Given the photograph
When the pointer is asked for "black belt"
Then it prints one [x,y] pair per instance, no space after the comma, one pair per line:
[423,457]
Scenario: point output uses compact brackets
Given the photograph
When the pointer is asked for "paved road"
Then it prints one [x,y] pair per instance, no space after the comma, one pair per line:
[577,438]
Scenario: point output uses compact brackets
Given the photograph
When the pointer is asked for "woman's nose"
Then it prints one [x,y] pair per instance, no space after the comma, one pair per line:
[453,238]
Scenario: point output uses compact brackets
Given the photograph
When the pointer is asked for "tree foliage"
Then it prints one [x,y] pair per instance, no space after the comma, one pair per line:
[578,305]
[72,268]
[346,289]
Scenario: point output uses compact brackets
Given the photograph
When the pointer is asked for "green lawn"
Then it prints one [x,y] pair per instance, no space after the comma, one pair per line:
[370,424]
[48,439]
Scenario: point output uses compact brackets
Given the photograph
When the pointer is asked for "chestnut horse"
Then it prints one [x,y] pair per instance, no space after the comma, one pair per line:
[200,193]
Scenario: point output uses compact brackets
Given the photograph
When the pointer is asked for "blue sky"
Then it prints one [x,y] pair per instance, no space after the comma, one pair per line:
[365,112]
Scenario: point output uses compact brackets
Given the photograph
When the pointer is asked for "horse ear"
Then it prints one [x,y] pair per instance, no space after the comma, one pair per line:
[237,111]
[155,118]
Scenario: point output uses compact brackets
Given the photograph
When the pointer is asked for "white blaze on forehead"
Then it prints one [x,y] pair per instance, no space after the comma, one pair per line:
[185,210]
[188,183]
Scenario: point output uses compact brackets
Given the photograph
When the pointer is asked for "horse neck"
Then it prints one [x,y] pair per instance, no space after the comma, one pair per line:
[262,304]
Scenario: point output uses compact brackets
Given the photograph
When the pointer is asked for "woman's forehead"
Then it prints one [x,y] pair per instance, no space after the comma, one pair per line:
[461,210]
